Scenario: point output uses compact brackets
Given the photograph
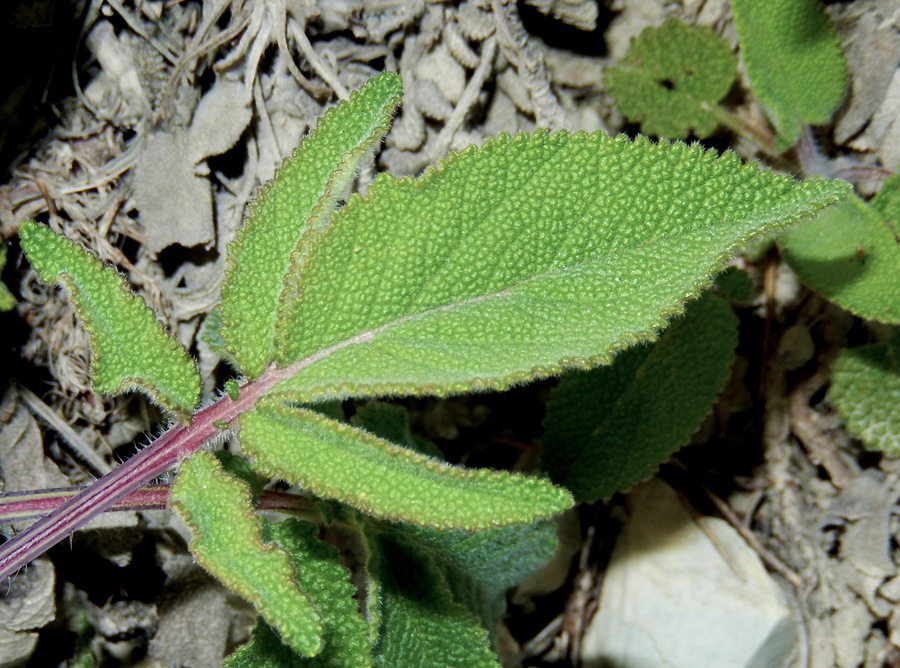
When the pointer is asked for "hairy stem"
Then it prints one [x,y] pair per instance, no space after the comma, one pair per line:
[15,506]
[173,446]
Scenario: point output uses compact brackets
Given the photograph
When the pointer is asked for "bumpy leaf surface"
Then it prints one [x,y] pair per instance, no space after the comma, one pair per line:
[421,625]
[327,583]
[851,254]
[228,544]
[668,72]
[130,350]
[609,428]
[480,566]
[341,462]
[793,60]
[519,259]
[297,202]
[866,391]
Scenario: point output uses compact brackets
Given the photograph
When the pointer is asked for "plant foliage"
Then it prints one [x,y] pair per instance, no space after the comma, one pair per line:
[865,388]
[129,349]
[794,62]
[668,74]
[609,428]
[851,254]
[516,260]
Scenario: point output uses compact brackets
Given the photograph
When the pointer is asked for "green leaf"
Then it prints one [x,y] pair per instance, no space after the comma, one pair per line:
[794,62]
[612,427]
[735,284]
[337,461]
[240,468]
[211,334]
[520,259]
[327,583]
[391,423]
[7,301]
[851,255]
[265,650]
[866,391]
[228,544]
[480,566]
[667,75]
[294,204]
[421,625]
[130,350]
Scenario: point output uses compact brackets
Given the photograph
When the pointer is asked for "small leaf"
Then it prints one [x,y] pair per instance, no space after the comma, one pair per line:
[850,254]
[337,461]
[7,301]
[668,72]
[327,583]
[296,202]
[866,391]
[130,350]
[522,258]
[228,544]
[794,62]
[609,428]
[211,334]
[421,625]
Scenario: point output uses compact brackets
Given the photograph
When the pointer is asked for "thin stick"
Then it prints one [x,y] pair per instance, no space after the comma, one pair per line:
[82,449]
[16,506]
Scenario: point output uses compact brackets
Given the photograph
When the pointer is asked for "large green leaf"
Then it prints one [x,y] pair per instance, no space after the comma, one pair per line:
[609,428]
[851,254]
[228,543]
[341,462]
[327,583]
[793,60]
[519,259]
[296,202]
[129,349]
[866,391]
[667,75]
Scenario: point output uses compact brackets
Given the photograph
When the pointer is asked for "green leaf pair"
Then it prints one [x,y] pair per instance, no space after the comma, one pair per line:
[673,76]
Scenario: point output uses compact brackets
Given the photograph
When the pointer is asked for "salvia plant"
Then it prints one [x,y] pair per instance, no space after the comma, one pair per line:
[516,260]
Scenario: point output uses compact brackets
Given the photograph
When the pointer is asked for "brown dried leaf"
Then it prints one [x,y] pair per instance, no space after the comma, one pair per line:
[175,203]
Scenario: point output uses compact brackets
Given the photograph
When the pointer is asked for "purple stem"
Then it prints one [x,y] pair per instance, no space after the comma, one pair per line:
[173,446]
[16,506]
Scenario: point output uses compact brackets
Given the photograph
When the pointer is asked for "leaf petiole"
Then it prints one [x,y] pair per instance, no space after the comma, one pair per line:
[163,453]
